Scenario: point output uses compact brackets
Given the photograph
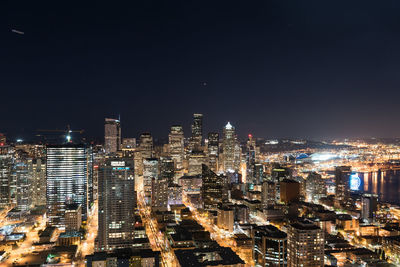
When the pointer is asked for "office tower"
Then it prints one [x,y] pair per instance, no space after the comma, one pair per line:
[342,179]
[167,169]
[305,245]
[315,187]
[268,196]
[117,203]
[6,165]
[23,182]
[225,218]
[67,180]
[277,175]
[213,151]
[112,135]
[251,159]
[197,130]
[258,173]
[196,160]
[289,190]
[231,149]
[150,172]
[176,145]
[369,206]
[128,143]
[38,182]
[174,195]
[211,189]
[270,246]
[146,145]
[159,194]
[73,217]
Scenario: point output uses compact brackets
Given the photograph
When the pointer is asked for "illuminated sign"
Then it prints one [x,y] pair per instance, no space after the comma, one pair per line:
[118,163]
[355,182]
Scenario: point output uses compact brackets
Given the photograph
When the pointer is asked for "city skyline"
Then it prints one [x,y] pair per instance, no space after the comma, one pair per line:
[304,70]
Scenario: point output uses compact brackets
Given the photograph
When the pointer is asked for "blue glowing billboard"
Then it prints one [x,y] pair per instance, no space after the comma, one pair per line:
[355,182]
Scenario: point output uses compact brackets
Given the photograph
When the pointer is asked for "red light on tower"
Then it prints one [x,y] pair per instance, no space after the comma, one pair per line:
[250,136]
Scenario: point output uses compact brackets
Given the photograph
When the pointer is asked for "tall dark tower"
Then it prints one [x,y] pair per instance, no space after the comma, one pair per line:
[197,130]
[342,177]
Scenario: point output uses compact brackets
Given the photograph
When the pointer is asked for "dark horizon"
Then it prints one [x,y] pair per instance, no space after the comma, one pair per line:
[314,70]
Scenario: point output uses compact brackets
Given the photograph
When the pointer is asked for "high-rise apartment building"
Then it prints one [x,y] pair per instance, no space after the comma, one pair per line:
[117,203]
[176,145]
[159,194]
[67,180]
[112,135]
[305,245]
[231,149]
[270,246]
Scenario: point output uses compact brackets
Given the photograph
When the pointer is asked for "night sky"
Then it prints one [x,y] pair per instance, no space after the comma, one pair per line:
[309,69]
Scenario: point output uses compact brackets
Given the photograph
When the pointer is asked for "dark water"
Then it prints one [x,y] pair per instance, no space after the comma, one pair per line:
[384,183]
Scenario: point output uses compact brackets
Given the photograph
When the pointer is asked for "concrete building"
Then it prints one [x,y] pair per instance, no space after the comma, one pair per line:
[73,217]
[305,245]
[270,246]
[117,202]
[112,135]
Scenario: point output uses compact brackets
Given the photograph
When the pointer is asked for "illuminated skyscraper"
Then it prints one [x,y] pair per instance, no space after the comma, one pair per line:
[268,195]
[167,169]
[159,194]
[197,127]
[197,131]
[150,172]
[146,145]
[213,151]
[231,149]
[305,245]
[67,180]
[270,246]
[251,159]
[38,182]
[112,135]
[6,165]
[23,183]
[369,207]
[211,189]
[176,145]
[117,203]
[315,187]
[196,160]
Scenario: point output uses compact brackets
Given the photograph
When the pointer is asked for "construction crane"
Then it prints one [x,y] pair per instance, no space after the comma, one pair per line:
[67,132]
